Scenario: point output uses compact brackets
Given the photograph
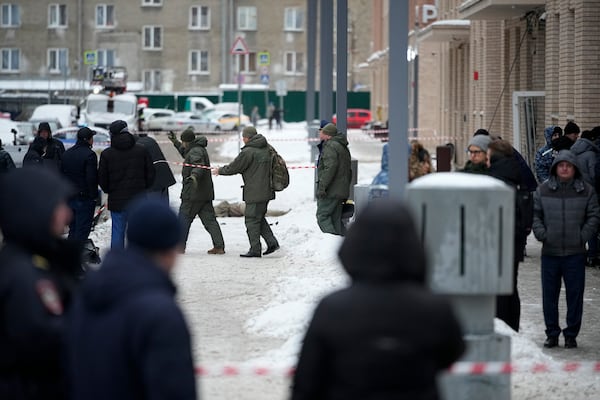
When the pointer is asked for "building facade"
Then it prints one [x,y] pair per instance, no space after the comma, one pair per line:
[166,45]
[510,68]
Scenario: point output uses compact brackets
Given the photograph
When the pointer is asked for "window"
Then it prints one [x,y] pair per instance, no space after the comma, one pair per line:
[152,37]
[152,80]
[293,19]
[152,3]
[105,15]
[11,60]
[294,63]
[246,18]
[58,60]
[57,15]
[198,62]
[10,15]
[106,57]
[199,17]
[248,63]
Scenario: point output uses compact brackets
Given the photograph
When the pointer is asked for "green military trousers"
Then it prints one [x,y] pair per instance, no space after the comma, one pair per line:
[257,226]
[203,209]
[329,215]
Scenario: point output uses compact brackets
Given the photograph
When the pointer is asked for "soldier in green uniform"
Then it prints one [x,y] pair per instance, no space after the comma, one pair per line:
[254,163]
[198,192]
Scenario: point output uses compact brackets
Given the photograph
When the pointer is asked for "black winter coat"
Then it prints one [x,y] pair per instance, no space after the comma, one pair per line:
[80,166]
[125,171]
[33,157]
[164,176]
[54,152]
[36,280]
[6,161]
[386,336]
[127,337]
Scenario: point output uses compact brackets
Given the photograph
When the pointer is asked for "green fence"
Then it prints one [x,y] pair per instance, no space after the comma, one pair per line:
[294,103]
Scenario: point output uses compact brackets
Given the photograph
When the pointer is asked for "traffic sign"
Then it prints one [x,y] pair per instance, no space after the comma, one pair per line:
[264,79]
[264,71]
[90,57]
[264,58]
[281,87]
[239,46]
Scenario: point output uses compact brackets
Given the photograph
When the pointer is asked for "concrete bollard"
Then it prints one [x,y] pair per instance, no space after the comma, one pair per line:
[467,225]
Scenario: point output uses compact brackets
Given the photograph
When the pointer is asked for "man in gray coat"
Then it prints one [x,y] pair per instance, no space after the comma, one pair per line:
[566,215]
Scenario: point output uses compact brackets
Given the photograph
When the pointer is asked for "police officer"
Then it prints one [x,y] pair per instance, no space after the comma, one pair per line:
[37,269]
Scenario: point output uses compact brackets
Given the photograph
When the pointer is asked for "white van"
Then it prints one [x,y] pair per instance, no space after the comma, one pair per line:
[65,114]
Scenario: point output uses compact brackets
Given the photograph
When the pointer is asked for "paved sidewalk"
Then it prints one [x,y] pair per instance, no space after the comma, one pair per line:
[532,319]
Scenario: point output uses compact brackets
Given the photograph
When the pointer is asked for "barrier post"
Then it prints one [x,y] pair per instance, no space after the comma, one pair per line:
[467,226]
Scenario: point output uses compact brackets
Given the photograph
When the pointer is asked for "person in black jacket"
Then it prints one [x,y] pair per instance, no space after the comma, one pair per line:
[127,338]
[37,276]
[125,171]
[34,156]
[54,148]
[80,166]
[6,161]
[386,336]
[502,165]
[164,176]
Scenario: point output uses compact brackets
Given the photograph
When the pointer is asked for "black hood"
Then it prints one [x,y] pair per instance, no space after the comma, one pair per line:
[506,169]
[383,246]
[122,141]
[124,273]
[28,198]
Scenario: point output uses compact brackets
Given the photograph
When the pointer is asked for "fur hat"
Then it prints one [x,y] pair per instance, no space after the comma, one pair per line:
[249,131]
[330,130]
[152,225]
[188,135]
[571,127]
[481,141]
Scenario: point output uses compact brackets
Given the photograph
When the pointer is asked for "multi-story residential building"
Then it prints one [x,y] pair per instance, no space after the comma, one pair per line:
[510,67]
[166,45]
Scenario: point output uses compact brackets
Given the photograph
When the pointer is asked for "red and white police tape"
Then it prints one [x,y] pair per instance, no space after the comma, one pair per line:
[459,368]
[205,167]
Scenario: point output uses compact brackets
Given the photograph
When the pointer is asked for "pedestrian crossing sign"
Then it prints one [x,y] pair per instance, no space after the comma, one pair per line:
[90,57]
[264,59]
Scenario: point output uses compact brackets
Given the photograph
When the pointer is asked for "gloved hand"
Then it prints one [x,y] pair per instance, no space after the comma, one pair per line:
[172,137]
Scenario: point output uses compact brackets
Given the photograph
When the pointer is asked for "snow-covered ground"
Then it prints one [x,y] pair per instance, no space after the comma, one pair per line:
[255,311]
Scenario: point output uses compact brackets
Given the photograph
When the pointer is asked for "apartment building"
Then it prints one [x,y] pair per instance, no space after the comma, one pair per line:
[166,45]
[510,67]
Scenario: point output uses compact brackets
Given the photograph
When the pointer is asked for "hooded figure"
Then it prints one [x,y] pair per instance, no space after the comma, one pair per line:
[127,338]
[586,152]
[37,273]
[565,216]
[54,147]
[35,153]
[544,155]
[386,336]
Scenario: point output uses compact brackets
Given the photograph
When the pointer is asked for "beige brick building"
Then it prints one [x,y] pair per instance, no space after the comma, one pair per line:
[166,45]
[510,68]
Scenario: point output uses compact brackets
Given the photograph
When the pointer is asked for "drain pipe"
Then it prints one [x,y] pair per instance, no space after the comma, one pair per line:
[80,45]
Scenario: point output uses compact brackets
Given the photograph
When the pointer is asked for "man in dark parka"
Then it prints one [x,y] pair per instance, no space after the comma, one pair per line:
[164,176]
[198,191]
[127,337]
[254,163]
[386,336]
[37,276]
[334,173]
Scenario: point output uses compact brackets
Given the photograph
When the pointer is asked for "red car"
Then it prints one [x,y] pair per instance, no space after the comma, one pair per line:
[357,117]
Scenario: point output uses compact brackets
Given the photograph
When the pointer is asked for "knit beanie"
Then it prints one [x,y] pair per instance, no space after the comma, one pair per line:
[330,130]
[323,123]
[249,132]
[571,127]
[188,135]
[481,141]
[117,126]
[152,225]
[481,131]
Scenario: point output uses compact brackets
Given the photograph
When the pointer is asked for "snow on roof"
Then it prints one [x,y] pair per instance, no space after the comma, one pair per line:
[245,86]
[452,22]
[55,84]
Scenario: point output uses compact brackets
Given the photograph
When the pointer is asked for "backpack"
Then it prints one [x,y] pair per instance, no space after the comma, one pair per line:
[280,178]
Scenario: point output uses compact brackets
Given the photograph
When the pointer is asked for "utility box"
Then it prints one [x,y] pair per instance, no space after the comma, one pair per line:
[466,222]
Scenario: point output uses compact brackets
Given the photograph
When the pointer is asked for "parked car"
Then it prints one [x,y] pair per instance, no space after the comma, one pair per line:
[356,118]
[69,136]
[155,119]
[65,114]
[226,120]
[25,132]
[198,122]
